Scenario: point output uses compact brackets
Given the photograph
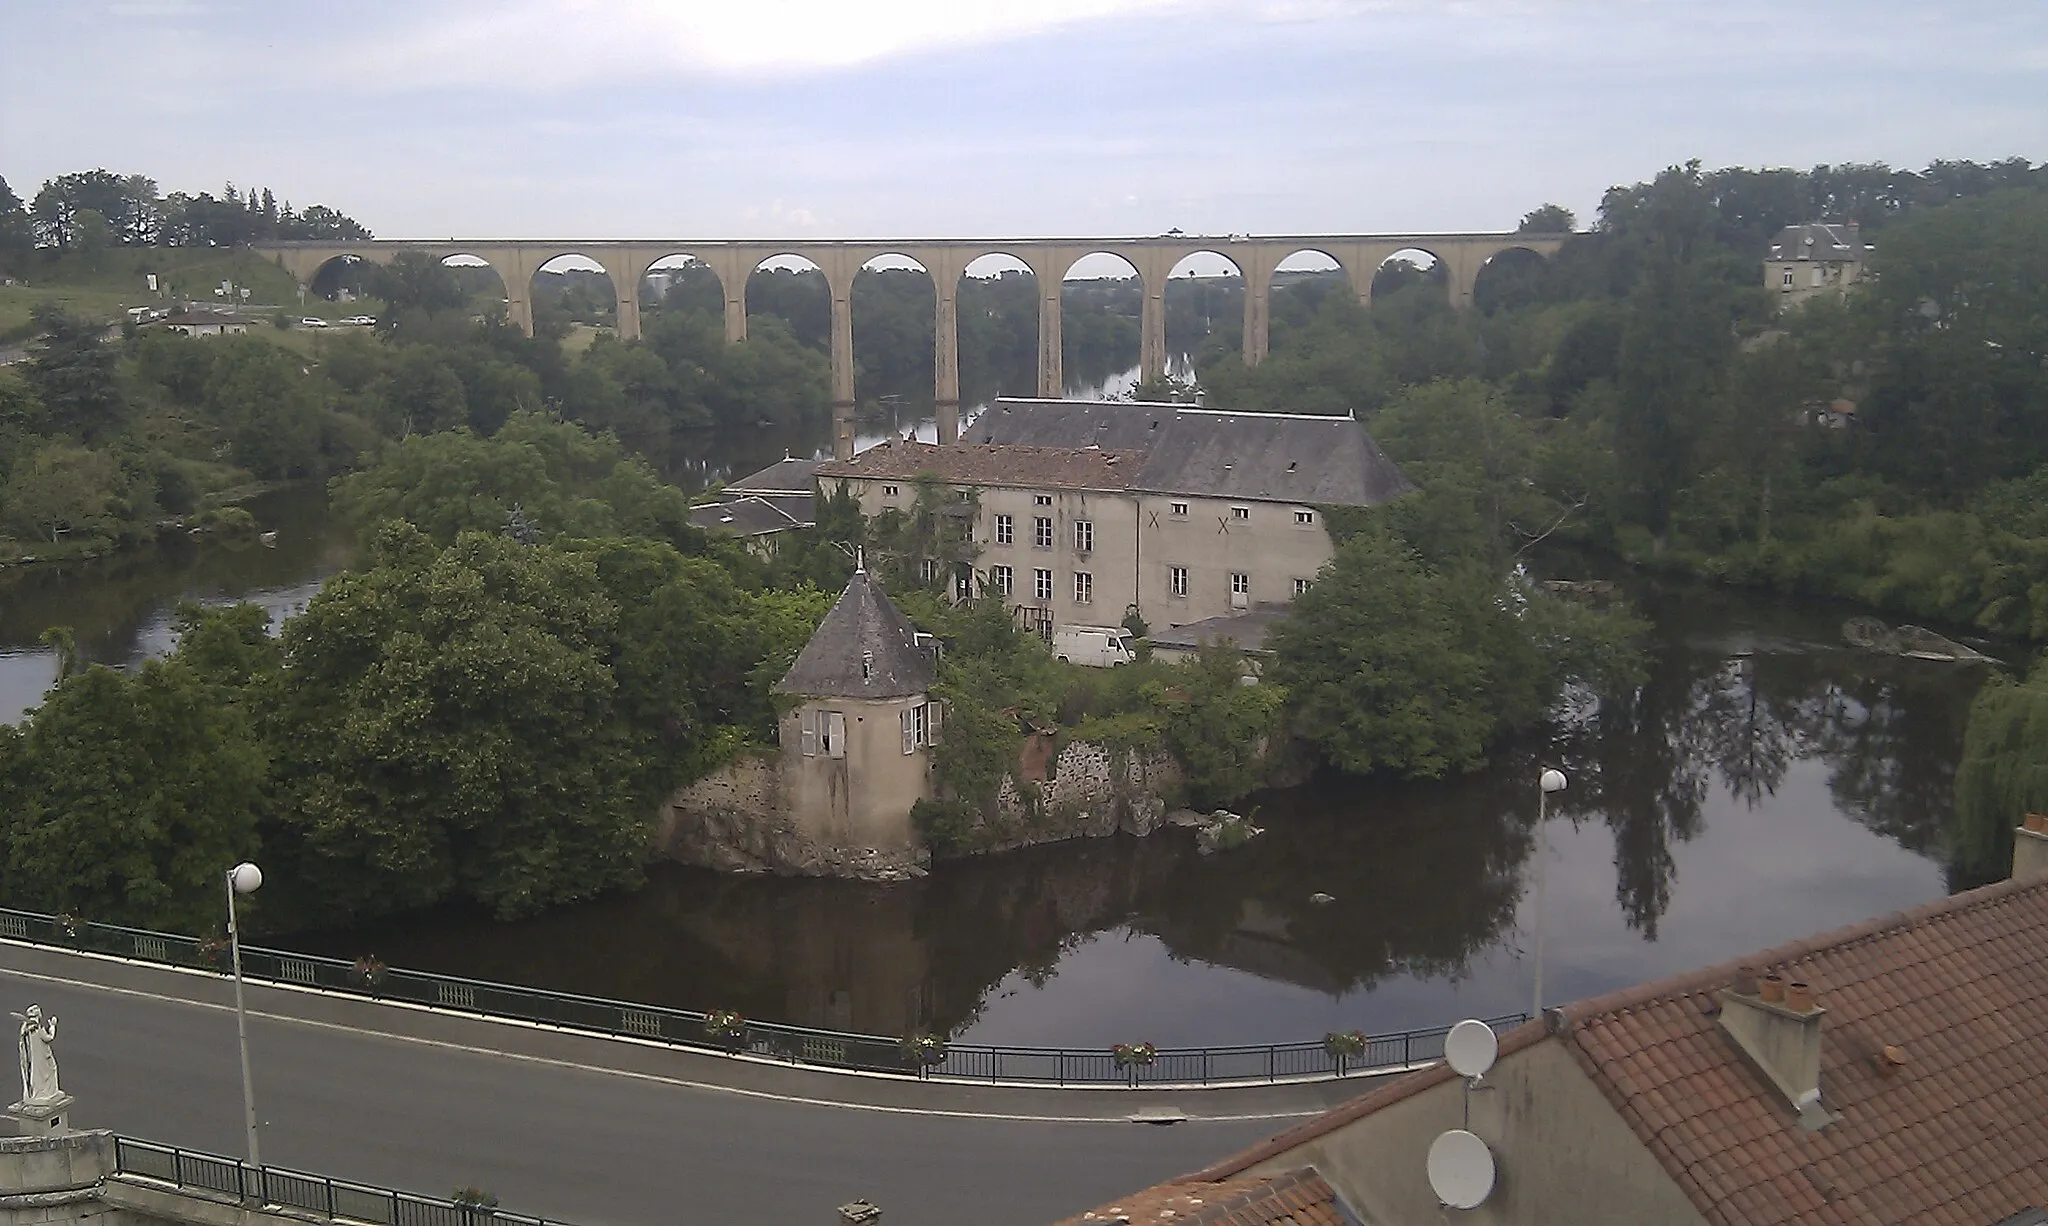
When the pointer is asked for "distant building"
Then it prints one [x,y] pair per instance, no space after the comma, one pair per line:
[763,505]
[1083,511]
[1891,1071]
[205,323]
[1817,258]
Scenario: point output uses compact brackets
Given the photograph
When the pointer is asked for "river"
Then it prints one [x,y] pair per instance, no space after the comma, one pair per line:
[1767,783]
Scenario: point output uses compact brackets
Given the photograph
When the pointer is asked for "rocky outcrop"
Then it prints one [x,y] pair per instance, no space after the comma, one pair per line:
[1914,642]
[734,821]
[1088,791]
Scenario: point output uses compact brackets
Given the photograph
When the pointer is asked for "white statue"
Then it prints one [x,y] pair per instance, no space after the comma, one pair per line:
[38,1062]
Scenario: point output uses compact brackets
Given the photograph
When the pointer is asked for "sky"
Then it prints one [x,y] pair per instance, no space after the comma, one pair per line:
[1013,118]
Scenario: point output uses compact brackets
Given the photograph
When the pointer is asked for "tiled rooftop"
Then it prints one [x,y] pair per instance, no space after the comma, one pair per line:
[1956,1136]
[1085,468]
[1295,1198]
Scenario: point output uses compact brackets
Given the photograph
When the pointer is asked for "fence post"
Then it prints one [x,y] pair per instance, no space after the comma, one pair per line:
[1270,1076]
[330,1196]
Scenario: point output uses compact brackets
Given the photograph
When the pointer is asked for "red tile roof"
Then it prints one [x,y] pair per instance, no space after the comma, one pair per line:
[1086,468]
[1293,1198]
[1956,1135]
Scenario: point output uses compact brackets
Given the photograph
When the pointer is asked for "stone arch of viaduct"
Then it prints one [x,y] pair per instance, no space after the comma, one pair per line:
[627,262]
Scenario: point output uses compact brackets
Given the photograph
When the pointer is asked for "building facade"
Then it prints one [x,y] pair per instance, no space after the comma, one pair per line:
[1083,512]
[1810,260]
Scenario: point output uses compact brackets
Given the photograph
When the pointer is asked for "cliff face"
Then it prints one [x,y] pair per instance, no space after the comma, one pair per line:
[738,819]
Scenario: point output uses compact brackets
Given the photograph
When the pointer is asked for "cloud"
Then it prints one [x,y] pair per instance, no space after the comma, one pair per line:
[571,42]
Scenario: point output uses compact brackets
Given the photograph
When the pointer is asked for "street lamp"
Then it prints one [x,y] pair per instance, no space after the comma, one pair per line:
[1552,781]
[243,878]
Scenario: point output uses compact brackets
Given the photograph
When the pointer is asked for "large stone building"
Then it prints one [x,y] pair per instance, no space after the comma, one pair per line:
[1893,1071]
[1081,512]
[1814,259]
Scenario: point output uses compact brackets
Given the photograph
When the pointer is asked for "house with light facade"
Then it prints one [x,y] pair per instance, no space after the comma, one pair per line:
[1081,512]
[1818,258]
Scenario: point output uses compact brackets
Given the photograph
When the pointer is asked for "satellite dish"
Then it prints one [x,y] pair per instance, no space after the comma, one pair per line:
[1460,1169]
[1470,1048]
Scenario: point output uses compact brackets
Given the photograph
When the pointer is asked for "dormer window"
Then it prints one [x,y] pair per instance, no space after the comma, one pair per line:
[1240,512]
[890,491]
[867,666]
[1179,510]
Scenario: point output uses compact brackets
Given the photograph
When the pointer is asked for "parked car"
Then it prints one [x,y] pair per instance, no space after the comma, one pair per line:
[362,321]
[311,322]
[1094,646]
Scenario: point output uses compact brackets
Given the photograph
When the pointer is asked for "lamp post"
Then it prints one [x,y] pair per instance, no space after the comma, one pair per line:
[243,878]
[1551,781]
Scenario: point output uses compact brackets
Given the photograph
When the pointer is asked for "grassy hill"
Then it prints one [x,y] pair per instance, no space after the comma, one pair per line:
[103,286]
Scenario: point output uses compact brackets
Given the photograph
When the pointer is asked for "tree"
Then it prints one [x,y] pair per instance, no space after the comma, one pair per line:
[64,489]
[455,732]
[266,405]
[124,798]
[73,374]
[17,232]
[2003,774]
[1548,219]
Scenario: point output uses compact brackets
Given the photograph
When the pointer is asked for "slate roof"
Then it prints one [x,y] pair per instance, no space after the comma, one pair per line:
[1247,630]
[1129,424]
[1293,1198]
[754,515]
[1819,241]
[1274,457]
[1957,1136]
[1083,468]
[787,475]
[865,648]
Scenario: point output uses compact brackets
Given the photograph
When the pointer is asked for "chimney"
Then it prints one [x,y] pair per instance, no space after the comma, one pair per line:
[1782,1039]
[2030,849]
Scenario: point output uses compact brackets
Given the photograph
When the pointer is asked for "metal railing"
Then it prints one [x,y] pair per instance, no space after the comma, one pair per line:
[1241,1064]
[316,1194]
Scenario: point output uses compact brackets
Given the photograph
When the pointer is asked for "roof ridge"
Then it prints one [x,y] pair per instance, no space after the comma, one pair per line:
[1569,1017]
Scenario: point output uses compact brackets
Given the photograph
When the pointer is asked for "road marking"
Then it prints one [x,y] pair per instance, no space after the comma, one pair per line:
[657,1078]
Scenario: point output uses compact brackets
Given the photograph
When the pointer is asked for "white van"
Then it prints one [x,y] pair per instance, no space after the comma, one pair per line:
[1095,646]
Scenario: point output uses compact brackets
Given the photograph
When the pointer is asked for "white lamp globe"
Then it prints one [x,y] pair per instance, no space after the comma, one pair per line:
[1553,781]
[246,878]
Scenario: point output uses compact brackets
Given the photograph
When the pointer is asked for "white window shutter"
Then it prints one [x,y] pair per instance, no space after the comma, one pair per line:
[935,719]
[835,734]
[809,722]
[909,730]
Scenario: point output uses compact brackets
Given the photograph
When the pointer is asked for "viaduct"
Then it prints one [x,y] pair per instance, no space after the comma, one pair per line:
[627,262]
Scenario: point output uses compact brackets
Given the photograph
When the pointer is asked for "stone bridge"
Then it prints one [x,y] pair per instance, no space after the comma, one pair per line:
[627,263]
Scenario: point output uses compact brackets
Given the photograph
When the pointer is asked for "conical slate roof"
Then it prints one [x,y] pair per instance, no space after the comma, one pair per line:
[865,648]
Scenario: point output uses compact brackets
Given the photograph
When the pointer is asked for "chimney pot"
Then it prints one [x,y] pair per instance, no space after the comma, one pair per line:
[1799,997]
[1745,981]
[1772,988]
[2030,851]
[2035,822]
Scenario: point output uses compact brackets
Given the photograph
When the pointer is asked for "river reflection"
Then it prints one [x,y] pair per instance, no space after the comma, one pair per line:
[1764,784]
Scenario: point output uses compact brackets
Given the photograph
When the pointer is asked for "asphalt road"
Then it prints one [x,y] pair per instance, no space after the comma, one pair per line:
[533,1117]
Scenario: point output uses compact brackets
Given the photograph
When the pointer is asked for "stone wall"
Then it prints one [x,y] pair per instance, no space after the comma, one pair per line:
[1092,791]
[738,820]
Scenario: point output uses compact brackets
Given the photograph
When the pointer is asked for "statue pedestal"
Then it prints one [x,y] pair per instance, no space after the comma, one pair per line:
[46,1118]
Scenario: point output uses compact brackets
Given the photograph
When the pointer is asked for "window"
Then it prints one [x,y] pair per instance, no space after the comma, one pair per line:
[1304,517]
[890,491]
[1240,590]
[1786,279]
[1041,583]
[930,569]
[1041,532]
[1300,586]
[1006,530]
[1084,587]
[832,733]
[916,725]
[1041,500]
[1177,580]
[1001,578]
[963,585]
[1084,535]
[1179,510]
[1819,274]
[1240,512]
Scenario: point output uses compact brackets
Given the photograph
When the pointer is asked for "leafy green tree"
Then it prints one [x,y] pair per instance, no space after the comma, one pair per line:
[73,374]
[125,798]
[456,731]
[1547,219]
[64,489]
[421,395]
[17,232]
[266,405]
[2003,774]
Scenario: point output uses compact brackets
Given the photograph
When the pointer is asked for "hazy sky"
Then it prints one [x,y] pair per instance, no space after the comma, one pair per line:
[740,118]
